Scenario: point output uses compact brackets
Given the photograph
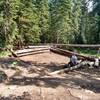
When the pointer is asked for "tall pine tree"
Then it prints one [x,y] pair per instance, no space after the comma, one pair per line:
[27,22]
[8,27]
[62,27]
[43,14]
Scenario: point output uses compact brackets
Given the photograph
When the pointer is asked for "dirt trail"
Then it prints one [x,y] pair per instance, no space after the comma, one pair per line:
[26,82]
[48,58]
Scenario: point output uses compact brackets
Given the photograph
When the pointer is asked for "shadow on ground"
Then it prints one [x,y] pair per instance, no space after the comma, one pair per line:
[25,96]
[9,63]
[86,81]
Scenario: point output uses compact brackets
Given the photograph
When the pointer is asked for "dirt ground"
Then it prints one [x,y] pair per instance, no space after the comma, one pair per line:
[27,79]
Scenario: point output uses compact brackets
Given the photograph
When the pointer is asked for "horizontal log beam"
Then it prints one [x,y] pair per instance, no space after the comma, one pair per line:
[32,53]
[41,46]
[69,54]
[30,50]
[79,45]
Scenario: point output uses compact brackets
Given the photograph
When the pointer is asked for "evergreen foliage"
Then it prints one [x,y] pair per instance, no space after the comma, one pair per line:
[25,22]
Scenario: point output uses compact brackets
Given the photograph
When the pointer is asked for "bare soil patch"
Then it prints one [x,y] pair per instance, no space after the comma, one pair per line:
[27,79]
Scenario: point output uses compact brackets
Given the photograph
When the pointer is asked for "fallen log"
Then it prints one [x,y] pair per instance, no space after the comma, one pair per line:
[84,63]
[32,53]
[79,45]
[30,50]
[40,46]
[25,52]
[69,54]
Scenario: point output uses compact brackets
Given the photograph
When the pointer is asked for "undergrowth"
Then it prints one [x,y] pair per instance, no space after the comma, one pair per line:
[4,53]
[89,52]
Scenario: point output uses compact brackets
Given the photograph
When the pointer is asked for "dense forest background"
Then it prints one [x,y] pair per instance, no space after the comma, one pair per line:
[24,22]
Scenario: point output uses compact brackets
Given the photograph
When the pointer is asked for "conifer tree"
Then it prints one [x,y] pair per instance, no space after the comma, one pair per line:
[43,14]
[27,22]
[8,26]
[61,20]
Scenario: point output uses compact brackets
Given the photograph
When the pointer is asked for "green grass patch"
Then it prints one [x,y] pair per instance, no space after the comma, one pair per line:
[88,52]
[84,51]
[4,53]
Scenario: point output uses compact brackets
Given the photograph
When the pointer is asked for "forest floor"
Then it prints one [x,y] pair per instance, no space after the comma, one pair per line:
[27,79]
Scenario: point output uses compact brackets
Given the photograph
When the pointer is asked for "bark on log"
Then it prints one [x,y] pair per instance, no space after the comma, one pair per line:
[30,50]
[31,53]
[69,54]
[41,46]
[79,45]
[70,68]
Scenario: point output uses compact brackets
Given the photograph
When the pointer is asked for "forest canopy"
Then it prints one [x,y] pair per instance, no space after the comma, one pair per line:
[24,22]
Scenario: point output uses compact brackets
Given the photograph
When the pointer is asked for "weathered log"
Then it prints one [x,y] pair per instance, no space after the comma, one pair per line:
[31,53]
[79,45]
[84,63]
[30,50]
[40,46]
[69,54]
